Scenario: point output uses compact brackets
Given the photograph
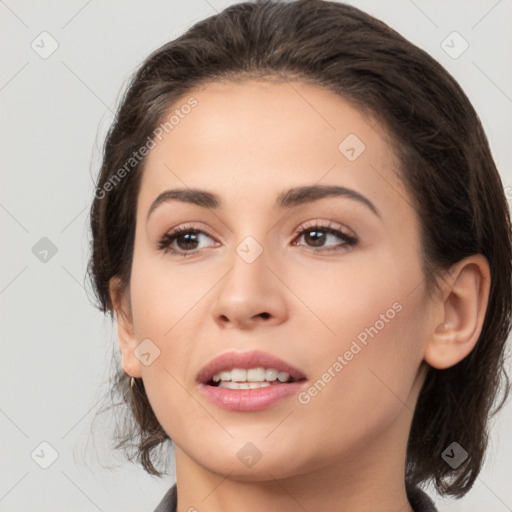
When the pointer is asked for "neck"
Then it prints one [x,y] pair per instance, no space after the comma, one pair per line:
[370,478]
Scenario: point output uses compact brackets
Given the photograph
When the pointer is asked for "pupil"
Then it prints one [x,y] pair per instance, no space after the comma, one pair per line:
[187,236]
[319,237]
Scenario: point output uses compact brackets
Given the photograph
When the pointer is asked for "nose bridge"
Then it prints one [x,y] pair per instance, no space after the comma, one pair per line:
[249,290]
[248,274]
[251,239]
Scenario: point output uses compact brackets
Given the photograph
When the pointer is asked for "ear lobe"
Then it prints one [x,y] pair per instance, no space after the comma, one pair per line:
[462,311]
[125,328]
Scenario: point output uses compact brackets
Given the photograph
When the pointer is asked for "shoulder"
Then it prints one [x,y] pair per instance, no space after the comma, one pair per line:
[168,502]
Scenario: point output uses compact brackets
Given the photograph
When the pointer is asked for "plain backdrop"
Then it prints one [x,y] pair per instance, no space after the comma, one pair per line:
[64,64]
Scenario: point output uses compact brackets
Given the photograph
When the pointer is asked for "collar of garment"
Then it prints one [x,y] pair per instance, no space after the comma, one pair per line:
[419,500]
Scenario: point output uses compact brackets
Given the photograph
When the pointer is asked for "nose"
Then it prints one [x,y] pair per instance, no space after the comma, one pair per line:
[250,294]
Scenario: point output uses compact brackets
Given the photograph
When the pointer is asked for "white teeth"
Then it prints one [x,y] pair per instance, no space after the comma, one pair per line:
[255,375]
[283,376]
[244,385]
[238,375]
[252,375]
[224,375]
[271,374]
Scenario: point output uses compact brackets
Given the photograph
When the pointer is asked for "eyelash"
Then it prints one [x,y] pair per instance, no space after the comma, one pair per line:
[164,244]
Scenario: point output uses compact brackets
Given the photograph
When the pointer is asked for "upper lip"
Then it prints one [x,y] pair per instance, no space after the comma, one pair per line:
[253,359]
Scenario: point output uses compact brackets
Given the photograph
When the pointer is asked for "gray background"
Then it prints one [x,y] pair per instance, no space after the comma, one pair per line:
[56,347]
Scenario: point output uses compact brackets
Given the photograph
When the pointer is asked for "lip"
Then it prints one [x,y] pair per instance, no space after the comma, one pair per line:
[248,399]
[246,360]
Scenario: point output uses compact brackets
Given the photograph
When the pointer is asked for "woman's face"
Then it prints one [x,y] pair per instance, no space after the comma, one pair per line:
[343,302]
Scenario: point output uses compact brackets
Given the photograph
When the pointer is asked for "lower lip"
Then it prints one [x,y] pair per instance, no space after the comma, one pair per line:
[250,399]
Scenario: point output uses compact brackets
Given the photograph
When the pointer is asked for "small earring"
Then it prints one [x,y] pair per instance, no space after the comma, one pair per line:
[132,382]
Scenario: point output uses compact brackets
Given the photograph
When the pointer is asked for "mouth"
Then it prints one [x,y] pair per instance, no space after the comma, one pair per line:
[248,370]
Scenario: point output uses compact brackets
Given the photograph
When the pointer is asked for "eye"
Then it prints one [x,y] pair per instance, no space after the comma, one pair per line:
[186,238]
[318,234]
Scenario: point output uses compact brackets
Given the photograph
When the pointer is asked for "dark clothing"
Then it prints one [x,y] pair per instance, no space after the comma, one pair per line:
[418,499]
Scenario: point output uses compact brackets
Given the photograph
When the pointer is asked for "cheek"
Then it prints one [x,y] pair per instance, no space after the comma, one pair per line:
[166,295]
[370,353]
[168,306]
[359,298]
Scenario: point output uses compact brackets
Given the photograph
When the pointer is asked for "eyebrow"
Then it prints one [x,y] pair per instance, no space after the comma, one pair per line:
[287,199]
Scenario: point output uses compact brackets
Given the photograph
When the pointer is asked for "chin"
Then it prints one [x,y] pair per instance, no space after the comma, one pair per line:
[237,465]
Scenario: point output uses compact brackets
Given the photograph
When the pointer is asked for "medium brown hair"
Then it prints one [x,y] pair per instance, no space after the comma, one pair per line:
[445,164]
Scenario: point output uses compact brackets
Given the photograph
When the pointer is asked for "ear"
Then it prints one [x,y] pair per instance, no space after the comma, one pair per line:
[462,312]
[125,329]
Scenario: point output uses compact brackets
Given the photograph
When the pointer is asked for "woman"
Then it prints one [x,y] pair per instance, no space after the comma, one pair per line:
[302,234]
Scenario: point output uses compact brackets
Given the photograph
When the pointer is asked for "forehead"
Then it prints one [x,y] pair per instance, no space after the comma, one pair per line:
[246,140]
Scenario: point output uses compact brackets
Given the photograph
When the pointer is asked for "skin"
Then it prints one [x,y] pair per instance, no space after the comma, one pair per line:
[345,449]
